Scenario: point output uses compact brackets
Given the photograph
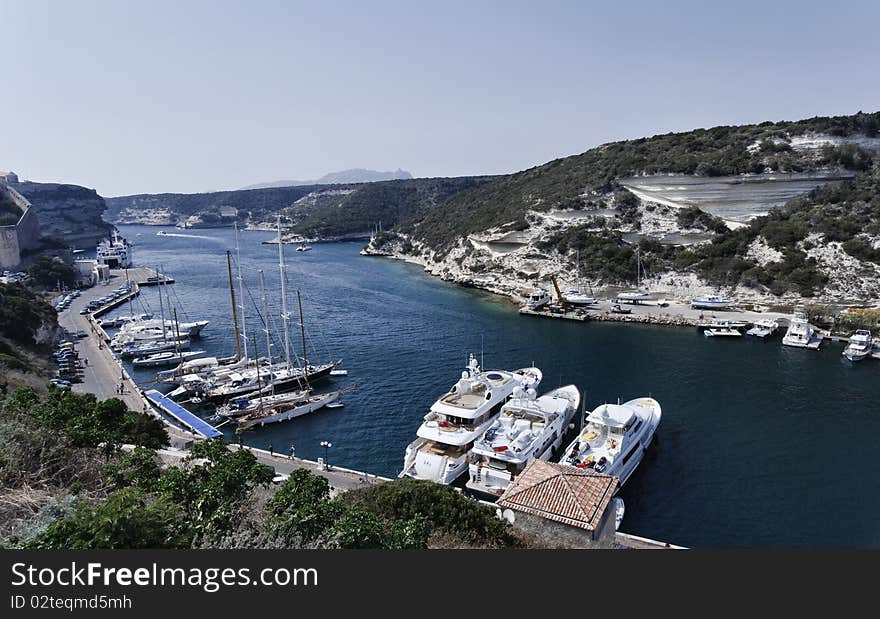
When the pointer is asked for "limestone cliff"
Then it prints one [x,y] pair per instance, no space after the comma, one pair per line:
[69,213]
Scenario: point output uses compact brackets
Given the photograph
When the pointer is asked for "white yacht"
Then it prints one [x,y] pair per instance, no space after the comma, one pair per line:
[528,428]
[615,438]
[458,418]
[800,333]
[168,357]
[710,302]
[115,252]
[859,346]
[763,328]
[287,410]
[186,329]
[538,298]
[575,297]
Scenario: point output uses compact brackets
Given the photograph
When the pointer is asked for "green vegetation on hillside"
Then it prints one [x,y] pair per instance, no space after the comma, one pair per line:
[64,483]
[388,203]
[10,212]
[49,272]
[706,152]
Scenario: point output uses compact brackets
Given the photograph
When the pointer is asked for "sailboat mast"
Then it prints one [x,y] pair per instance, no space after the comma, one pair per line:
[285,315]
[177,332]
[265,316]
[241,306]
[234,314]
[302,328]
[161,306]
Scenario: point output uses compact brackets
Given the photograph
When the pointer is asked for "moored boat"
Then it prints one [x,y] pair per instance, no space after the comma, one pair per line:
[615,438]
[800,333]
[859,346]
[528,428]
[460,416]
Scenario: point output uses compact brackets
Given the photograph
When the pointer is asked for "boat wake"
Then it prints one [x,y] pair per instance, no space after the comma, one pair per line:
[189,236]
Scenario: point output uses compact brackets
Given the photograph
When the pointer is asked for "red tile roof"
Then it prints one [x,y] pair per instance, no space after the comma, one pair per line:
[560,492]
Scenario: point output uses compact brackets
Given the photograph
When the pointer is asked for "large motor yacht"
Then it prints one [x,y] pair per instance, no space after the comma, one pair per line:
[615,438]
[528,428]
[800,333]
[458,418]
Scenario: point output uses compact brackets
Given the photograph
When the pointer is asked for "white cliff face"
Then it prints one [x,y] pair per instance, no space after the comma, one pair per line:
[762,253]
[849,279]
[511,263]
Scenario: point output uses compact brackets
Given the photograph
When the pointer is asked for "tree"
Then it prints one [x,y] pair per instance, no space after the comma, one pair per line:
[130,518]
[301,509]
[49,272]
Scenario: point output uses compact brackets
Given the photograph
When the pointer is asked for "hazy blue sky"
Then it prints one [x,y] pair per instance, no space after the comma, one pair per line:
[131,97]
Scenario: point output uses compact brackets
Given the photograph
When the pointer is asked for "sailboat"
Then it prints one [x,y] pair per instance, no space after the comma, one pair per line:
[262,379]
[637,295]
[577,297]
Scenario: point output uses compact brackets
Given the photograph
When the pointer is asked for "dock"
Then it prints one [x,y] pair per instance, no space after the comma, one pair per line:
[170,407]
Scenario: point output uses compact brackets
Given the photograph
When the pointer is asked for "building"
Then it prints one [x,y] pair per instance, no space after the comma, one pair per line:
[562,506]
[91,272]
[22,235]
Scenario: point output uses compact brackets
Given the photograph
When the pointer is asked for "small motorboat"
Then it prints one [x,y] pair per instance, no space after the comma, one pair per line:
[722,332]
[619,511]
[334,405]
[338,373]
[303,247]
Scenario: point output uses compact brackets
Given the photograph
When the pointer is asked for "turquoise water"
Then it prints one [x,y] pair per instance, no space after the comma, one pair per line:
[759,445]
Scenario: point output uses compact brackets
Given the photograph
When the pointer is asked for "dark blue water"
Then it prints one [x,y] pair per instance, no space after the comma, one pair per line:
[759,445]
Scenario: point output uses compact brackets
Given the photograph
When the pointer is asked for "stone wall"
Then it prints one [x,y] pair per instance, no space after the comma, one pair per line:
[10,254]
[544,533]
[22,236]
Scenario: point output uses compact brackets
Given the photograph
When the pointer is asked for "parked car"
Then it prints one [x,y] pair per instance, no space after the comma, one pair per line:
[81,333]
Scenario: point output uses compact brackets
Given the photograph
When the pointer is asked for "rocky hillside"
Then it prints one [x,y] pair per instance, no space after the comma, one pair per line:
[315,212]
[514,231]
[28,327]
[68,213]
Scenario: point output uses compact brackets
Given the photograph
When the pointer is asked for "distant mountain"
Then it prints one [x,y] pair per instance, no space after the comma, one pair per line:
[355,175]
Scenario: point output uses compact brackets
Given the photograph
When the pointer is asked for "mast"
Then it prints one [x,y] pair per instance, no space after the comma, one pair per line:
[302,328]
[128,288]
[285,315]
[234,314]
[241,302]
[161,307]
[177,332]
[265,317]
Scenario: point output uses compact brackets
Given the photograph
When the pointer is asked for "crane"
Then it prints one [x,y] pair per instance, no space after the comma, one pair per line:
[559,298]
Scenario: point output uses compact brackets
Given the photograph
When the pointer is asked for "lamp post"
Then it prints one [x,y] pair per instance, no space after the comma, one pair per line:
[326,445]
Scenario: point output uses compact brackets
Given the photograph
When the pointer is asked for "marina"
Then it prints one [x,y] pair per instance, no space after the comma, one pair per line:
[672,494]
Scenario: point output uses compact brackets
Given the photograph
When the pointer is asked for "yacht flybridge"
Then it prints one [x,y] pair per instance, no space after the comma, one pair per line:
[528,428]
[615,438]
[460,417]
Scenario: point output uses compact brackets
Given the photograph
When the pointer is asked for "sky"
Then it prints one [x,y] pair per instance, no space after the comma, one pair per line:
[184,96]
